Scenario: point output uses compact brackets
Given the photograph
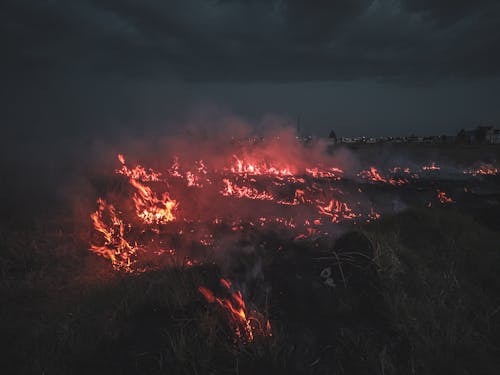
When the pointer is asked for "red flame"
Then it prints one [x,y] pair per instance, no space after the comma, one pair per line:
[114,247]
[155,208]
[241,192]
[443,198]
[431,167]
[246,324]
[150,208]
[483,170]
[146,219]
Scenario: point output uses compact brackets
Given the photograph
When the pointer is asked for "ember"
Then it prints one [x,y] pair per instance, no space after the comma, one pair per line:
[483,170]
[443,198]
[431,167]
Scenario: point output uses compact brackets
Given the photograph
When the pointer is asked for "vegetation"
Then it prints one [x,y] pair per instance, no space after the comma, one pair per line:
[413,293]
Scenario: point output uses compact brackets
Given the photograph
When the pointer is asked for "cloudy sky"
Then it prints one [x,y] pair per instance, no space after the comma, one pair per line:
[371,67]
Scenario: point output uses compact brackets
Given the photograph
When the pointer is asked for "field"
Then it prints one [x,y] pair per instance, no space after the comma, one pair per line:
[413,288]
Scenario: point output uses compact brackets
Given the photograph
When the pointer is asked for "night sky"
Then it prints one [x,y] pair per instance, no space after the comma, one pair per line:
[361,67]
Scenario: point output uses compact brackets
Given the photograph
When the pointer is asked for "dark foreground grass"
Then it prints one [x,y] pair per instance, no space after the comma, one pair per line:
[428,303]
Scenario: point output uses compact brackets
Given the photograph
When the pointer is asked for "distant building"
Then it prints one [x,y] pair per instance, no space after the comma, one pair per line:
[484,134]
[332,136]
[447,139]
[496,136]
[481,134]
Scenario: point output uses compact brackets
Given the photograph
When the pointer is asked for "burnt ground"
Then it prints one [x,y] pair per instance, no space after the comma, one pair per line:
[415,292]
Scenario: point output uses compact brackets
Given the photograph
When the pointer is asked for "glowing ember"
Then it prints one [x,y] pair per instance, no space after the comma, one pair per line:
[243,191]
[443,198]
[336,210]
[431,167]
[335,173]
[483,170]
[372,174]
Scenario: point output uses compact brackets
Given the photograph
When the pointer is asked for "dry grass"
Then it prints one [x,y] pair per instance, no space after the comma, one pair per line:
[430,307]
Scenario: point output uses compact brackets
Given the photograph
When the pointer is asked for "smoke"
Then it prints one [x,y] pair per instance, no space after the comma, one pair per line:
[234,182]
[230,181]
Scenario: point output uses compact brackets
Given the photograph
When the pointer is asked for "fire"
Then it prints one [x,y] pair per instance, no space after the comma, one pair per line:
[231,189]
[372,174]
[443,198]
[138,173]
[336,210]
[483,170]
[243,167]
[146,219]
[332,172]
[431,167]
[183,212]
[113,245]
[139,222]
[247,324]
[299,197]
[150,208]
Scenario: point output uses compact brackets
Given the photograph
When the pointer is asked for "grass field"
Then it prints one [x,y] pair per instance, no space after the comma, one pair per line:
[415,292]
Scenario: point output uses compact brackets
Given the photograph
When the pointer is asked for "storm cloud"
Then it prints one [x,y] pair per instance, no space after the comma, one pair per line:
[70,63]
[295,40]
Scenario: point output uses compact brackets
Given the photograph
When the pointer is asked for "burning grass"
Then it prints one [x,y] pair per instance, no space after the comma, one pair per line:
[408,309]
[188,198]
[190,212]
[236,264]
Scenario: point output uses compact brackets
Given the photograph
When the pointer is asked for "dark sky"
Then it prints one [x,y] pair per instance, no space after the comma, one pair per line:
[357,66]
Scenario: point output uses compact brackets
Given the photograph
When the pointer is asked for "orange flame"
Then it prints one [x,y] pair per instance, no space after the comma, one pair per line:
[443,198]
[431,167]
[114,247]
[150,208]
[246,324]
[483,170]
[231,189]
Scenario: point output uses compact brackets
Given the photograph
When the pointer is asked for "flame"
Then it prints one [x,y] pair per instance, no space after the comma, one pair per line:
[372,174]
[245,167]
[231,189]
[443,197]
[333,172]
[137,173]
[144,220]
[247,325]
[336,210]
[431,167]
[114,245]
[300,200]
[483,170]
[150,208]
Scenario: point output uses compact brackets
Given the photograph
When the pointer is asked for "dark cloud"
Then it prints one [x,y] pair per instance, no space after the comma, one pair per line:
[445,12]
[294,40]
[365,66]
[317,21]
